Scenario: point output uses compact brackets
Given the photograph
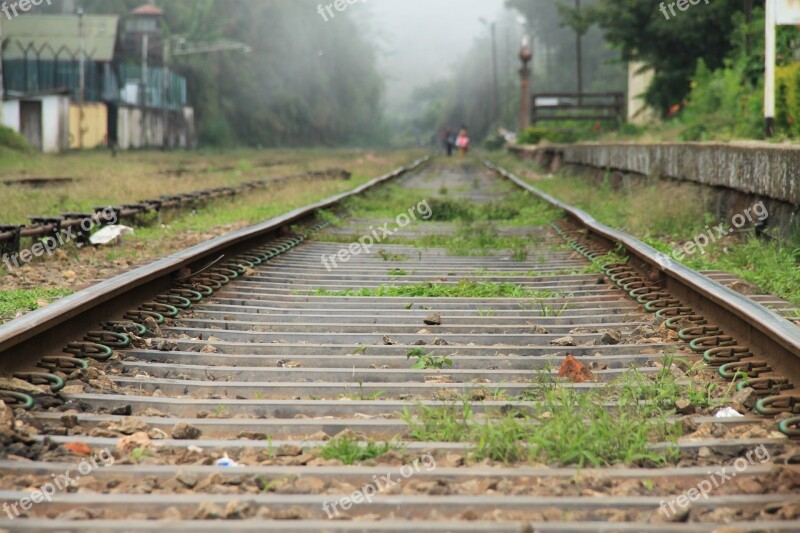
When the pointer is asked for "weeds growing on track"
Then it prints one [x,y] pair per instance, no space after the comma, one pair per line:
[550,430]
[666,214]
[462,289]
[349,449]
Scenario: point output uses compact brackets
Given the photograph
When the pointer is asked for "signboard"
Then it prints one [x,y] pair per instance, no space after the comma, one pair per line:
[787,12]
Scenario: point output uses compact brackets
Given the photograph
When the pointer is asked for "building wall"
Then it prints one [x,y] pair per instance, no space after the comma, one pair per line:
[95,125]
[11,115]
[134,132]
[55,123]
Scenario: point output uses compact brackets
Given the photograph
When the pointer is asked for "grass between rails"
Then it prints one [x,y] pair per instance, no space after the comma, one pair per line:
[666,215]
[476,230]
[462,289]
[563,427]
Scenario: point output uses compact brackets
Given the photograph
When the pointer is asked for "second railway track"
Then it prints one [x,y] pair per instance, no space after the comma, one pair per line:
[290,369]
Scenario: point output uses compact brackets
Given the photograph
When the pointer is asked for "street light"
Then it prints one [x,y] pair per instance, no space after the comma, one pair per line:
[525,56]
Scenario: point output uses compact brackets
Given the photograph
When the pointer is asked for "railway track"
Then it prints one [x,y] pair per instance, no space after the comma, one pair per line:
[436,374]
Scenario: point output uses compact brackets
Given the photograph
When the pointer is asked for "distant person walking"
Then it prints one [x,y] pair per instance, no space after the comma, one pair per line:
[449,142]
[463,141]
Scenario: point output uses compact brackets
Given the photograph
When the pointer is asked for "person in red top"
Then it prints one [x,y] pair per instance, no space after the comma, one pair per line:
[462,142]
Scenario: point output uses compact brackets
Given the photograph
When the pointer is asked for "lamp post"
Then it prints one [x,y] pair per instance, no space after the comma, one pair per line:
[82,75]
[525,56]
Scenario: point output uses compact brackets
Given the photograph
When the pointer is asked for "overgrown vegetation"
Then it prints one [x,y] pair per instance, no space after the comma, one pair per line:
[350,450]
[666,215]
[462,289]
[13,302]
[551,431]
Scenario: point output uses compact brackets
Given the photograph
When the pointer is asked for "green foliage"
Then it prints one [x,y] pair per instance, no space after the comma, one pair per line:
[13,140]
[23,301]
[462,289]
[536,134]
[429,361]
[349,450]
[672,46]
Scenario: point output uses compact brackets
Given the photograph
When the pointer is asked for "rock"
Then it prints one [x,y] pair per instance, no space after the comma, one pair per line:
[76,514]
[440,342]
[433,319]
[125,410]
[152,327]
[684,407]
[564,341]
[610,338]
[131,442]
[208,349]
[387,341]
[6,417]
[172,513]
[288,450]
[424,332]
[209,511]
[745,398]
[184,431]
[236,510]
[162,345]
[539,330]
[309,485]
[187,479]
[157,434]
[72,389]
[129,426]
[575,371]
[78,448]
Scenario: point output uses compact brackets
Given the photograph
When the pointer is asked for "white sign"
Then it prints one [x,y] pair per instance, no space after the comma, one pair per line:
[787,12]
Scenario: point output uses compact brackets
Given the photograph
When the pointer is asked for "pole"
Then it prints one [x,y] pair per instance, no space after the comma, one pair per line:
[769,76]
[525,57]
[579,54]
[2,89]
[82,76]
[496,88]
[145,46]
[165,94]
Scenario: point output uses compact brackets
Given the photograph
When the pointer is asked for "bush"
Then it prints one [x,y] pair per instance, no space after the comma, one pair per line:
[495,142]
[13,140]
[536,134]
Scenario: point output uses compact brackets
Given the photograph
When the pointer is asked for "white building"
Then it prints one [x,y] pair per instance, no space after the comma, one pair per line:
[43,119]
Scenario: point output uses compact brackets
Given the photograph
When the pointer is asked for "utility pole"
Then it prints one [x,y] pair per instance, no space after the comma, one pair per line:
[525,57]
[145,46]
[579,53]
[769,76]
[494,74]
[81,75]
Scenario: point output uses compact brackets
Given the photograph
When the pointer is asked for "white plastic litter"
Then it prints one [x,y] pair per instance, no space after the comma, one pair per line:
[227,461]
[728,412]
[110,234]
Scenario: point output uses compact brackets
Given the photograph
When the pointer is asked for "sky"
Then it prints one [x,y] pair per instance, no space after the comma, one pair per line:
[423,38]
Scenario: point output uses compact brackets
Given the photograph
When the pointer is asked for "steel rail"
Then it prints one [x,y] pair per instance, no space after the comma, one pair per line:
[765,331]
[47,330]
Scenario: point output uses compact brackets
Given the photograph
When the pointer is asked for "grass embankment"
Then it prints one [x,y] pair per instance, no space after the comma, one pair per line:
[103,180]
[667,215]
